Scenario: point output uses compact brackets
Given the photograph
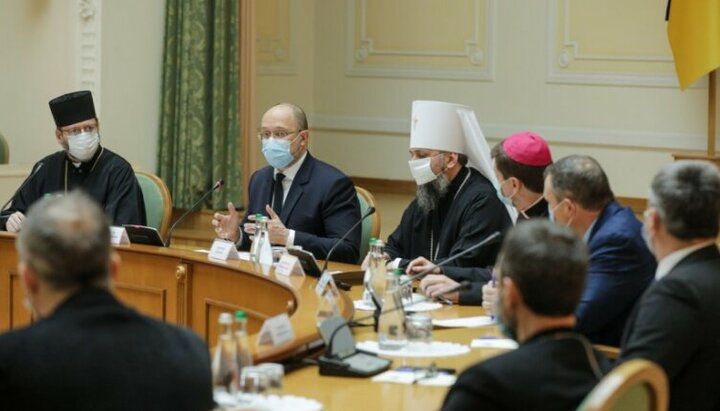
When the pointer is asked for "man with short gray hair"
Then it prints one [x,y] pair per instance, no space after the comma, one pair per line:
[676,323]
[86,350]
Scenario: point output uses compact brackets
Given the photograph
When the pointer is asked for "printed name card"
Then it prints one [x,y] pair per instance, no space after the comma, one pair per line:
[223,250]
[289,265]
[118,236]
[322,283]
[276,331]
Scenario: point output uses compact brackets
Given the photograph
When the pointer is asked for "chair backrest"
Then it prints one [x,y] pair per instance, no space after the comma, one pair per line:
[608,350]
[4,150]
[635,385]
[371,226]
[158,203]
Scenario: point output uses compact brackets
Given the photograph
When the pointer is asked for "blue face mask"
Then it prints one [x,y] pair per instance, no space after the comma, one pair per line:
[277,152]
[505,199]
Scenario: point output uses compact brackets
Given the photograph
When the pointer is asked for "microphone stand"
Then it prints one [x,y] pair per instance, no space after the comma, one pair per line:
[215,186]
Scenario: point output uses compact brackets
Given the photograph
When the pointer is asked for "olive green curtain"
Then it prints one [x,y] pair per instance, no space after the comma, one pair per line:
[199,126]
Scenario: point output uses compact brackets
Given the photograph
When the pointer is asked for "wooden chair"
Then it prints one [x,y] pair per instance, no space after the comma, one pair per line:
[636,385]
[158,203]
[4,150]
[371,226]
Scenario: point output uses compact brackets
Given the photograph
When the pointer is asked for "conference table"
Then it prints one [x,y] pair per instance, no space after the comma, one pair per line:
[187,288]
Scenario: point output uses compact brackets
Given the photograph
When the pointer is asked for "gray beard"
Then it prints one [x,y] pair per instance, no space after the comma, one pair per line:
[428,195]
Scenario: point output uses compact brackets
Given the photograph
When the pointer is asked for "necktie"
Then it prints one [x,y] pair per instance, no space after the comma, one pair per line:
[278,195]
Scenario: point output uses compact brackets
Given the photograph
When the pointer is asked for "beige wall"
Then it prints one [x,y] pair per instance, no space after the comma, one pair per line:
[591,79]
[38,50]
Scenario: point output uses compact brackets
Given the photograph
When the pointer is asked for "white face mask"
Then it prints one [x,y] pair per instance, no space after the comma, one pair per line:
[83,145]
[421,170]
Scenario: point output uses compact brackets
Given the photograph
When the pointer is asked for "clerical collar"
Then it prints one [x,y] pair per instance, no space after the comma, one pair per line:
[457,183]
[86,165]
[537,209]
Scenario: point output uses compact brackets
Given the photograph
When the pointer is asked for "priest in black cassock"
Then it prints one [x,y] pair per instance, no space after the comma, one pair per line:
[82,164]
[456,205]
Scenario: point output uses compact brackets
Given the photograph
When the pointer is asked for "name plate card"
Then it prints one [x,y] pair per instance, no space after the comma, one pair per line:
[223,250]
[118,236]
[289,265]
[276,331]
[322,283]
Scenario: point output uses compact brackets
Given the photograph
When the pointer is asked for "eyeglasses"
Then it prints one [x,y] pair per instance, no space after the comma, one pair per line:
[279,134]
[77,130]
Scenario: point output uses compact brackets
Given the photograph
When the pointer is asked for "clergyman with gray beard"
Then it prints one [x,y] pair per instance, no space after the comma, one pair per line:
[456,205]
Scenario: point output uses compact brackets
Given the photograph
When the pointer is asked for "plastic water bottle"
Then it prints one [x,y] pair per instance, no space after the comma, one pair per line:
[225,373]
[244,355]
[261,243]
[379,274]
[391,328]
[254,247]
[369,272]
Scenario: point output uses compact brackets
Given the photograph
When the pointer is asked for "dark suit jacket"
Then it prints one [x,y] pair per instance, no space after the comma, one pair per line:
[620,269]
[545,373]
[93,353]
[677,325]
[321,206]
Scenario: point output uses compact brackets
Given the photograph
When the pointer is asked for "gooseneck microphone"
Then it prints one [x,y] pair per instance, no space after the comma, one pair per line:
[27,180]
[370,211]
[492,237]
[218,184]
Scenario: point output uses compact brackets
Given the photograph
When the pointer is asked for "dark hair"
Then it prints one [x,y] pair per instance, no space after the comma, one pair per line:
[531,176]
[687,197]
[65,240]
[581,179]
[298,114]
[548,264]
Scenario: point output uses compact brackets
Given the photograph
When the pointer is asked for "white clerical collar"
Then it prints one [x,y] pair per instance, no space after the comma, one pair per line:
[671,260]
[291,171]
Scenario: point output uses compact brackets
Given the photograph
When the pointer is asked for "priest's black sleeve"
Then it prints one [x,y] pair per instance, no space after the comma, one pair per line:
[125,204]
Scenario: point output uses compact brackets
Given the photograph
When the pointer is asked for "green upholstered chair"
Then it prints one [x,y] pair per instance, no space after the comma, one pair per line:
[4,150]
[158,203]
[636,385]
[371,226]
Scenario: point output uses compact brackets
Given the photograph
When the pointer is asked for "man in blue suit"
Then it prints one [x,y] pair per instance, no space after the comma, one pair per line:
[621,267]
[310,203]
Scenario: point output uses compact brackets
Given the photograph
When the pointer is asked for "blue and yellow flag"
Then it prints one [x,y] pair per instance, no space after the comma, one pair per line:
[694,33]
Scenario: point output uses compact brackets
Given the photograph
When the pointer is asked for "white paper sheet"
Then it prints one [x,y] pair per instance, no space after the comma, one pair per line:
[492,342]
[466,322]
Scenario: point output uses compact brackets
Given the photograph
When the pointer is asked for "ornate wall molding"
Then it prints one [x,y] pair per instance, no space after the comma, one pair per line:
[568,135]
[277,51]
[87,19]
[477,52]
[564,51]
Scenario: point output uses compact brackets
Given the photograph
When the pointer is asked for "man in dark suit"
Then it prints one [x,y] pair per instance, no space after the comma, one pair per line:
[86,351]
[677,321]
[621,267]
[310,203]
[541,273]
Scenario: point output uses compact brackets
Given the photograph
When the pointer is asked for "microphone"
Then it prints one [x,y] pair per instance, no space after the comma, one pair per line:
[218,184]
[30,177]
[370,211]
[427,271]
[328,360]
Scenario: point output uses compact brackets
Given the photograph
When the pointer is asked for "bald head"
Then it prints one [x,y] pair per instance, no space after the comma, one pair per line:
[299,119]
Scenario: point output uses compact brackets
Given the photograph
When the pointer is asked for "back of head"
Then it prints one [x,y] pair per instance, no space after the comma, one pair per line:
[65,240]
[524,156]
[548,264]
[581,179]
[687,197]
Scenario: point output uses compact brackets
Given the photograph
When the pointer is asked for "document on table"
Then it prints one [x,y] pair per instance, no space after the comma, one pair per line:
[466,322]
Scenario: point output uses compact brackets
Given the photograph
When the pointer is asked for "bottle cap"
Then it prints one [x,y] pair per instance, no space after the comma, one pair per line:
[398,272]
[258,216]
[240,315]
[373,240]
[225,318]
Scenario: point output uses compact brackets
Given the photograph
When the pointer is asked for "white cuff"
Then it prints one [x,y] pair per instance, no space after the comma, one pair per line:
[291,238]
[394,264]
[240,237]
